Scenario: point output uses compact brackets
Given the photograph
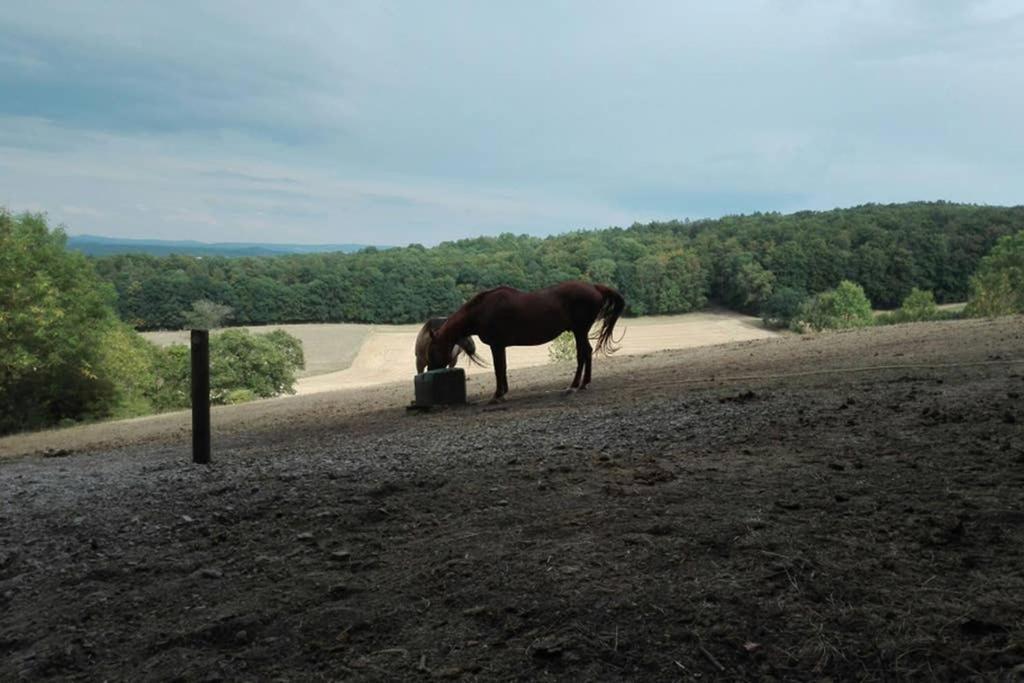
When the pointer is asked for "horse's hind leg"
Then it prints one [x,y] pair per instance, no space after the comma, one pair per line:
[582,361]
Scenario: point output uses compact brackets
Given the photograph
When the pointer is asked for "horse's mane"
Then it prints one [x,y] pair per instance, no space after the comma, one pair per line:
[475,300]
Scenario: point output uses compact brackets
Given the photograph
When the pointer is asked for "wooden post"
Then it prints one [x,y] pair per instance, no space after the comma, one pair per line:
[200,396]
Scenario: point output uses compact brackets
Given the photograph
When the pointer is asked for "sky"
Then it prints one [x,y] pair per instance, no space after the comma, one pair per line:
[392,123]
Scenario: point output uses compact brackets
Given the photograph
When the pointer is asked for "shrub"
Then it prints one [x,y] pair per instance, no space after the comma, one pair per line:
[563,348]
[130,363]
[919,305]
[844,307]
[997,288]
[782,307]
[239,396]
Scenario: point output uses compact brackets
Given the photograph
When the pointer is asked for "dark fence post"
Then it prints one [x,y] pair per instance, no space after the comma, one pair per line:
[200,396]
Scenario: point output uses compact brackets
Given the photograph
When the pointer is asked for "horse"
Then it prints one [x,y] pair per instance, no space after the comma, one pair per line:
[505,316]
[423,345]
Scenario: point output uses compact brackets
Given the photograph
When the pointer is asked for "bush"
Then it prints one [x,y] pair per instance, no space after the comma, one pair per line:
[563,348]
[782,306]
[239,396]
[844,307]
[262,364]
[917,306]
[997,288]
[130,363]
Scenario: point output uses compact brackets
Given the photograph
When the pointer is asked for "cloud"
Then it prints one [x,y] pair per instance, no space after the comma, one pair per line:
[381,122]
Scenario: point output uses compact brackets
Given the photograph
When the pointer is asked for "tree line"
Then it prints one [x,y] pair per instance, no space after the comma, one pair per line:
[70,352]
[661,268]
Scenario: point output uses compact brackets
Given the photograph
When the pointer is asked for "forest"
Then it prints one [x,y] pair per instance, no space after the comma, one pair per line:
[737,262]
[69,323]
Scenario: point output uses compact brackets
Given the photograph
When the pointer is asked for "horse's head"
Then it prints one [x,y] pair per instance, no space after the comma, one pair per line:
[439,353]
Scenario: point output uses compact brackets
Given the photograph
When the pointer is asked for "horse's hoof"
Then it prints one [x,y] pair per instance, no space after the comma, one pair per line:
[496,400]
[569,392]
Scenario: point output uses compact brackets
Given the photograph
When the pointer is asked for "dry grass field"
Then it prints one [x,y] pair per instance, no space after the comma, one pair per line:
[328,348]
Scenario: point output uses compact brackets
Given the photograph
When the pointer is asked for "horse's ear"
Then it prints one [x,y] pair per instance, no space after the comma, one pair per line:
[433,335]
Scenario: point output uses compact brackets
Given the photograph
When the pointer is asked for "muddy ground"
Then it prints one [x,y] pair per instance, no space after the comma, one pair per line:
[844,507]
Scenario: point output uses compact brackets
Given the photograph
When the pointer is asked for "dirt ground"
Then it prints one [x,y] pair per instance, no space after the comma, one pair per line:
[838,507]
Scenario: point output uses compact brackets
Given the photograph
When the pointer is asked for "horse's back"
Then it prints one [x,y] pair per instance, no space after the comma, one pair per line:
[511,317]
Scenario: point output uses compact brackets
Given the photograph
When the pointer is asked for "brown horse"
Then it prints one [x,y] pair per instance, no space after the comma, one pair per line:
[423,345]
[504,317]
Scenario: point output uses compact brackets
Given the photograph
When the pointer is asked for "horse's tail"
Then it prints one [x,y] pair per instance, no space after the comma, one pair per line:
[612,305]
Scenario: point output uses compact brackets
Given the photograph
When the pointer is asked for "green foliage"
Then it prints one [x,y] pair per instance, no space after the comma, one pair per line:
[782,307]
[206,315]
[262,364]
[660,268]
[563,348]
[840,308]
[54,315]
[239,396]
[998,286]
[130,364]
[919,305]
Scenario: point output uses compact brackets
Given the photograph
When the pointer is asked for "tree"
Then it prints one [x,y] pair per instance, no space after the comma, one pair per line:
[998,286]
[918,305]
[262,363]
[782,307]
[54,314]
[843,307]
[130,364]
[206,315]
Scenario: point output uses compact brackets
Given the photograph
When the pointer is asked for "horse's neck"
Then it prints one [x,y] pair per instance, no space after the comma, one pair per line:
[459,325]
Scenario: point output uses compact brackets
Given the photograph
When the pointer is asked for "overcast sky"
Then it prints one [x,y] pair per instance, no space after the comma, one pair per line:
[398,122]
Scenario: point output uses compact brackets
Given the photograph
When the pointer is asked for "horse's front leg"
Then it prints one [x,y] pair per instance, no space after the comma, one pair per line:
[587,361]
[500,377]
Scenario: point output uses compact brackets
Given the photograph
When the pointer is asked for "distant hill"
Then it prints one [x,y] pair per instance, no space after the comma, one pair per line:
[94,245]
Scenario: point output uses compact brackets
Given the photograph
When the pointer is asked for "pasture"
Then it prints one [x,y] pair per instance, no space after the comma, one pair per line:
[843,506]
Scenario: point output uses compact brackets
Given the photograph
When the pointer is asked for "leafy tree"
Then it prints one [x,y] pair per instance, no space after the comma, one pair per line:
[782,307]
[602,271]
[843,307]
[262,364]
[998,286]
[918,305]
[130,364]
[206,315]
[54,314]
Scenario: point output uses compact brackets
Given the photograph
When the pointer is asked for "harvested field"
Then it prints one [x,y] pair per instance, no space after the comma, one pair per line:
[327,347]
[843,506]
